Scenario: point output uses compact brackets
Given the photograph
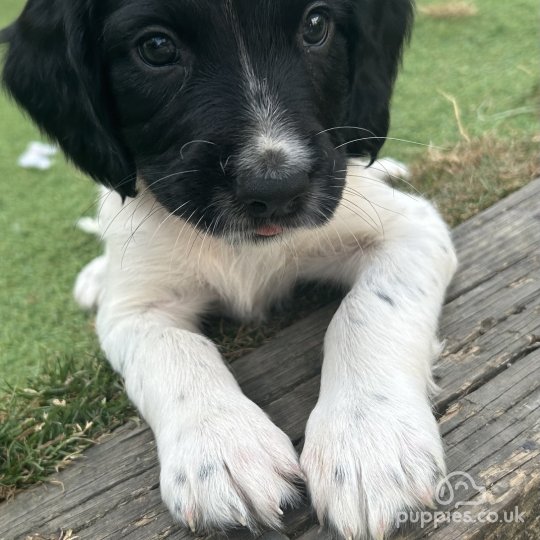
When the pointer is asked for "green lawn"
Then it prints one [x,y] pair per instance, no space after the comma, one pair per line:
[40,250]
[488,62]
[485,63]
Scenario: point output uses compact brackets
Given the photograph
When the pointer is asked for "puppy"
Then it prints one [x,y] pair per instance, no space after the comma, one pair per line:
[227,134]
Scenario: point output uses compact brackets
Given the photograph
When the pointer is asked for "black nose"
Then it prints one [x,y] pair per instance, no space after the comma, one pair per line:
[270,197]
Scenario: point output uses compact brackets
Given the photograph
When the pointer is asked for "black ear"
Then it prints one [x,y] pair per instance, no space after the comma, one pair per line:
[5,34]
[54,70]
[383,26]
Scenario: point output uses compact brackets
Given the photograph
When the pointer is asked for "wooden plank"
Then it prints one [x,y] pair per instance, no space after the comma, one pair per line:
[490,322]
[490,241]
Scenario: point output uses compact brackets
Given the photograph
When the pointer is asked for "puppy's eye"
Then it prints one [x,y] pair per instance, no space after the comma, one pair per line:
[316,28]
[159,50]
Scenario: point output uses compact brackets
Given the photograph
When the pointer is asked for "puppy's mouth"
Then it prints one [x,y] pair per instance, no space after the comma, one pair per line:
[256,218]
[269,231]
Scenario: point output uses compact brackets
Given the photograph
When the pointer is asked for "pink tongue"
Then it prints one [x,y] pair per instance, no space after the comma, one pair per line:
[269,230]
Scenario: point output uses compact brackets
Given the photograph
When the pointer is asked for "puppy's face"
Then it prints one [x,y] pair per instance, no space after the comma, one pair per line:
[237,114]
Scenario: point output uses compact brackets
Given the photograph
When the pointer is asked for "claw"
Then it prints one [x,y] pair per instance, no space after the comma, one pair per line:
[191,523]
[380,533]
[240,519]
[190,518]
[427,500]
[279,511]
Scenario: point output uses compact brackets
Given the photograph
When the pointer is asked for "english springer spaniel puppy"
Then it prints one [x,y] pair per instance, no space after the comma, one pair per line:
[237,143]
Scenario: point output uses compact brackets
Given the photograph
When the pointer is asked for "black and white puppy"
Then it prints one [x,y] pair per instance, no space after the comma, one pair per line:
[223,131]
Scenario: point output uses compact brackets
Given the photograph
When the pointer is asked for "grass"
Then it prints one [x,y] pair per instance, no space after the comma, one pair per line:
[474,175]
[486,62]
[467,100]
[72,405]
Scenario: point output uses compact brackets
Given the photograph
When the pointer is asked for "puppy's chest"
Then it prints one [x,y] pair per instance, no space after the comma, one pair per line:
[247,283]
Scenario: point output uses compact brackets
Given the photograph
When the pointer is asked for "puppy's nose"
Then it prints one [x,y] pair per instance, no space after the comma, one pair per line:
[269,197]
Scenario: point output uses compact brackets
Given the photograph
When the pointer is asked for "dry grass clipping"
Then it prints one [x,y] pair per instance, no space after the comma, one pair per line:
[475,174]
[449,10]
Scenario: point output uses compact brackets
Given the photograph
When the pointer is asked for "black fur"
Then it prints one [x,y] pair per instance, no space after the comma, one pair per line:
[74,66]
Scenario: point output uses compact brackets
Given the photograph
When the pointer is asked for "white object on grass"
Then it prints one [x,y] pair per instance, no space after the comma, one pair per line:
[38,156]
[88,225]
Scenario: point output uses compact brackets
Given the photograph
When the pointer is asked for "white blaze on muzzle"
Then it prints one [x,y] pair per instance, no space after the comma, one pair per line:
[272,145]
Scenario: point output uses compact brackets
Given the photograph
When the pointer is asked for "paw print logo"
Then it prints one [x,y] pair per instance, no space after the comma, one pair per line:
[461,482]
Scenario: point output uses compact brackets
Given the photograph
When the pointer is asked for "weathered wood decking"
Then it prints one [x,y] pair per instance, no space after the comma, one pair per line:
[489,405]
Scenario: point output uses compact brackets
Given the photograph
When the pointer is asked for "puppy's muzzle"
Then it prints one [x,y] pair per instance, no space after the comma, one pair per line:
[271,197]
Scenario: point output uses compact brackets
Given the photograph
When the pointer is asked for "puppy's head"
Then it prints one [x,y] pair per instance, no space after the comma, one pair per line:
[237,114]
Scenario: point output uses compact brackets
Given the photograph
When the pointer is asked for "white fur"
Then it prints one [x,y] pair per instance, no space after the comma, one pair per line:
[271,135]
[372,446]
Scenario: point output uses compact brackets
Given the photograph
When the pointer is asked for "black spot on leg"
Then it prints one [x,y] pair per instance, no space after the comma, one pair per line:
[380,398]
[206,471]
[181,478]
[398,480]
[339,475]
[385,298]
[359,415]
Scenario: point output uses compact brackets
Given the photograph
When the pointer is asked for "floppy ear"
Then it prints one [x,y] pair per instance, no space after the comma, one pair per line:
[383,27]
[53,70]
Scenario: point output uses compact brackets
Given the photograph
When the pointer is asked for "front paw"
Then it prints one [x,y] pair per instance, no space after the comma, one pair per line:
[366,464]
[226,466]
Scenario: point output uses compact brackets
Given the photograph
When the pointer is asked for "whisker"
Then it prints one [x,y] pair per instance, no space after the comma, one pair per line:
[388,139]
[361,195]
[197,234]
[139,199]
[206,234]
[151,213]
[331,224]
[355,192]
[344,127]
[186,222]
[392,176]
[334,227]
[225,165]
[169,215]
[343,200]
[102,197]
[195,141]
